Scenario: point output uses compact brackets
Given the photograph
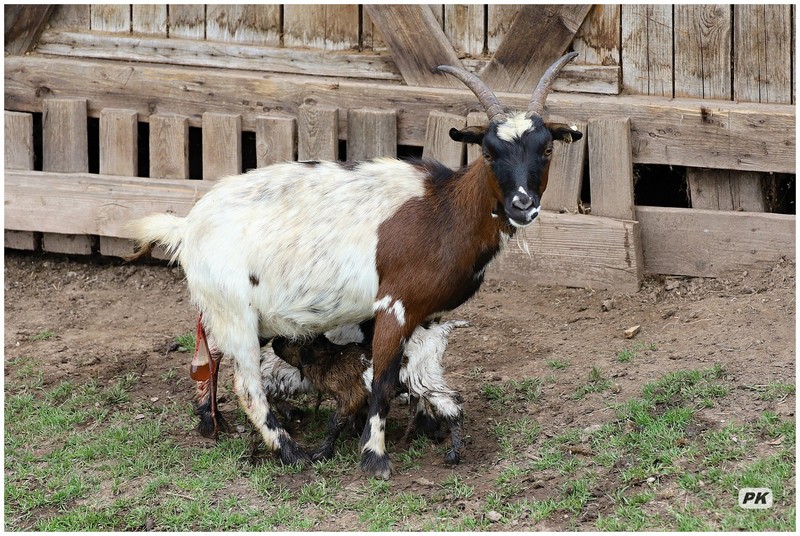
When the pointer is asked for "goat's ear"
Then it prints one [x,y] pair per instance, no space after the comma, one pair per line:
[564,132]
[468,135]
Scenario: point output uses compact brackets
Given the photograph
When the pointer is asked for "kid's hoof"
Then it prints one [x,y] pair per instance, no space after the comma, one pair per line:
[321,454]
[377,465]
[452,457]
[292,454]
[210,426]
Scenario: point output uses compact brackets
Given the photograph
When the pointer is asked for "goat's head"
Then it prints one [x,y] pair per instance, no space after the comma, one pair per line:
[516,145]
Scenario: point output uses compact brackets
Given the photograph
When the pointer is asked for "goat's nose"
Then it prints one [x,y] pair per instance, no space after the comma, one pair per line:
[522,201]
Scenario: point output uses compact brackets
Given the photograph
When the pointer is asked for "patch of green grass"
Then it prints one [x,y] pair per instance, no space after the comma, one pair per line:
[512,393]
[514,434]
[43,336]
[595,383]
[185,342]
[382,510]
[557,364]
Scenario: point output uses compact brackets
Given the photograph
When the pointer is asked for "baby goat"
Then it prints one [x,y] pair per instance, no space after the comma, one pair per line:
[296,249]
[344,371]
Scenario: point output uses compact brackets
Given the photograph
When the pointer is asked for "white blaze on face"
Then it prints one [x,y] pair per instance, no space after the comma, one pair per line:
[514,127]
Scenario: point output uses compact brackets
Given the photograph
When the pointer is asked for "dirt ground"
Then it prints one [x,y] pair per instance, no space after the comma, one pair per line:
[110,318]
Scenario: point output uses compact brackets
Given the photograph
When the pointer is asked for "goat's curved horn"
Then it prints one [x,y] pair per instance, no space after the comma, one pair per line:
[536,106]
[485,95]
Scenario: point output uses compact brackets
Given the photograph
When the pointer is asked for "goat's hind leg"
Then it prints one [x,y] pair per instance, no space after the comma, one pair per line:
[205,371]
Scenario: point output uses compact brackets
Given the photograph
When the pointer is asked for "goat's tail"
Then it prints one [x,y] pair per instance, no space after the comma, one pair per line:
[160,229]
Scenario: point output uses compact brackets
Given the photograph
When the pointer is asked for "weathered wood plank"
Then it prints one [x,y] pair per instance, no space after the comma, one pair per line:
[371,38]
[679,132]
[371,134]
[18,141]
[19,155]
[566,173]
[69,244]
[702,51]
[187,21]
[90,204]
[547,29]
[417,43]
[114,18]
[762,56]
[231,56]
[276,140]
[65,135]
[323,26]
[23,24]
[611,167]
[713,243]
[169,146]
[149,19]
[70,17]
[720,189]
[317,132]
[464,26]
[597,41]
[222,145]
[498,21]
[438,144]
[574,250]
[235,23]
[119,142]
[647,49]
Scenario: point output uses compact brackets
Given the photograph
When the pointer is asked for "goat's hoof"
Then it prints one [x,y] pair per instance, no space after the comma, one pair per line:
[452,457]
[321,454]
[210,427]
[292,454]
[376,465]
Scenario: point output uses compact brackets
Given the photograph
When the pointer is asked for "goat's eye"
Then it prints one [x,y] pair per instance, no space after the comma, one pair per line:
[548,151]
[487,156]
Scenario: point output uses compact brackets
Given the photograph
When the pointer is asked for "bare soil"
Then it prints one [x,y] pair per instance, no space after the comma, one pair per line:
[110,318]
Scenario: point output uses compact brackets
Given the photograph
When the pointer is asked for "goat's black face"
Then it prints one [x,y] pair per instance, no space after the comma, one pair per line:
[518,150]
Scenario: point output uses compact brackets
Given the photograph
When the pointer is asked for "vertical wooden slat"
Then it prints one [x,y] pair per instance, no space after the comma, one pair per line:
[18,140]
[647,49]
[257,24]
[762,56]
[119,143]
[187,21]
[371,38]
[149,19]
[65,149]
[19,155]
[498,21]
[703,51]
[475,119]
[611,167]
[317,133]
[222,145]
[276,140]
[371,134]
[566,173]
[324,26]
[65,136]
[169,146]
[598,39]
[114,18]
[70,17]
[722,189]
[464,25]
[438,144]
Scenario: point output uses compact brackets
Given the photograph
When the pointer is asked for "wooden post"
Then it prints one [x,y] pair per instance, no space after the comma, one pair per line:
[187,21]
[438,144]
[276,140]
[19,155]
[222,145]
[371,133]
[65,148]
[119,143]
[566,173]
[611,167]
[647,49]
[317,133]
[169,146]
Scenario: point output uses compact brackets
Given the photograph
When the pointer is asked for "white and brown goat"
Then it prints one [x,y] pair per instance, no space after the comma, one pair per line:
[297,249]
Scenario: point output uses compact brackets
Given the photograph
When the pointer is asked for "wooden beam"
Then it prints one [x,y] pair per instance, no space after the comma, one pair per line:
[611,167]
[539,35]
[574,250]
[23,24]
[713,243]
[679,132]
[417,43]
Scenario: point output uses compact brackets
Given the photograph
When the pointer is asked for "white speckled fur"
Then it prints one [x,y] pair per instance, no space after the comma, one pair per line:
[514,127]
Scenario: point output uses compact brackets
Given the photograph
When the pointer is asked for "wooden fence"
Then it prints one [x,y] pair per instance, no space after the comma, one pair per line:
[116,114]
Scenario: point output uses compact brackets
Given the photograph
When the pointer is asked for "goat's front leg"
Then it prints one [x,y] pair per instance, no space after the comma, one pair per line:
[391,333]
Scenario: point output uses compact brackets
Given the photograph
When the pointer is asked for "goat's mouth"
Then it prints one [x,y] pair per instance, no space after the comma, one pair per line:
[522,218]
